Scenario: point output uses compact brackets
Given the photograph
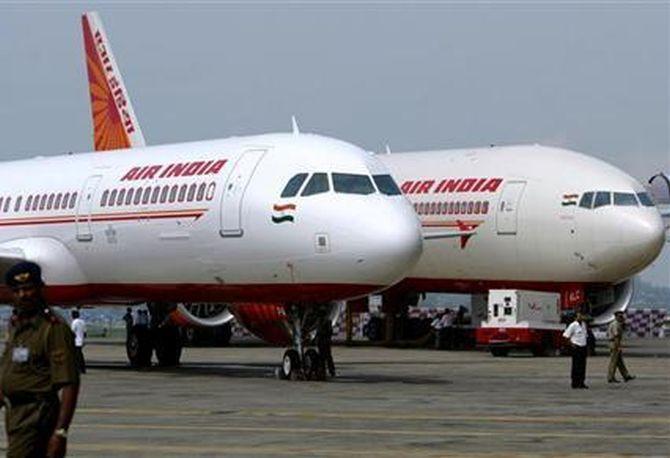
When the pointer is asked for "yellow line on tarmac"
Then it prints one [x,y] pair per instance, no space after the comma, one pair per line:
[239,414]
[366,431]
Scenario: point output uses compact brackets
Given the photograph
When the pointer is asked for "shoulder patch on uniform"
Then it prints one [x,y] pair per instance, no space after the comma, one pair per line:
[58,356]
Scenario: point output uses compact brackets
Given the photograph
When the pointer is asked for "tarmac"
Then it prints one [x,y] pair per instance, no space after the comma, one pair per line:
[384,402]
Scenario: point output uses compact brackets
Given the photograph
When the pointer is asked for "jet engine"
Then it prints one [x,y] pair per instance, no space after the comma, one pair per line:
[201,315]
[609,299]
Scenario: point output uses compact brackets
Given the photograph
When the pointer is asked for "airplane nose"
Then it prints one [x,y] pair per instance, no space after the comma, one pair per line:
[643,238]
[393,241]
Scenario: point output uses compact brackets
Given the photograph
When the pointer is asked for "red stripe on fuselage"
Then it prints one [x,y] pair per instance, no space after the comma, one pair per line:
[196,292]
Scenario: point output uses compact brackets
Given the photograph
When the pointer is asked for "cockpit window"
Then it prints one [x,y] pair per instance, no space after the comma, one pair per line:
[602,198]
[349,183]
[624,199]
[587,200]
[386,185]
[317,184]
[645,200]
[293,185]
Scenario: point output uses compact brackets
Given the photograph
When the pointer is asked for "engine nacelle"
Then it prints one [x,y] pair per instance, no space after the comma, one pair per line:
[605,301]
[201,315]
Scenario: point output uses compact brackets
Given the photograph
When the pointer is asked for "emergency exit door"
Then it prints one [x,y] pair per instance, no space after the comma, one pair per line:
[84,208]
[507,214]
[234,190]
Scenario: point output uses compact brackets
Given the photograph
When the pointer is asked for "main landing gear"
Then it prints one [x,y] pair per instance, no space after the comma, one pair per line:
[155,334]
[299,362]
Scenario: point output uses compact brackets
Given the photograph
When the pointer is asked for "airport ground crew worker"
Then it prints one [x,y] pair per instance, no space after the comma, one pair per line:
[78,327]
[615,333]
[38,363]
[128,319]
[576,333]
[324,339]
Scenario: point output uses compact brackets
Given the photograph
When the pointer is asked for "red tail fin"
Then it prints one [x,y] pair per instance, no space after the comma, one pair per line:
[114,123]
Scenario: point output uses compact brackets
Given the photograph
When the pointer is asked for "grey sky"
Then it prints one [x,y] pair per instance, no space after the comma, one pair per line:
[591,77]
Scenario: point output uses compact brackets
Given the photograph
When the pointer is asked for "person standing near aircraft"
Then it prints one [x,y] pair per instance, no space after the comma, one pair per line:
[324,338]
[615,335]
[38,363]
[576,333]
[78,327]
[128,319]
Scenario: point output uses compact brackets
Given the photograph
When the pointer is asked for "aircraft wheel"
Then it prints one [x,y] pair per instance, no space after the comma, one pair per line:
[138,347]
[290,368]
[168,345]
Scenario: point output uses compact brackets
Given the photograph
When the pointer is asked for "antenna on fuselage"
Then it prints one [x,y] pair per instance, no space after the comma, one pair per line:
[294,125]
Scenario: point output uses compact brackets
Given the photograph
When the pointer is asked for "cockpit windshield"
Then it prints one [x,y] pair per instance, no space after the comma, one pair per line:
[602,198]
[624,199]
[645,200]
[349,183]
[317,184]
[386,185]
[293,185]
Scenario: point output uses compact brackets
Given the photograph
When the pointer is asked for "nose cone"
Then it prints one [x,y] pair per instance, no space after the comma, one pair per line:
[391,241]
[643,238]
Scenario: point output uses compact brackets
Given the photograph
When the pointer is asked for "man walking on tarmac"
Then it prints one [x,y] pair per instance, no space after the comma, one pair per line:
[38,363]
[78,326]
[615,335]
[576,333]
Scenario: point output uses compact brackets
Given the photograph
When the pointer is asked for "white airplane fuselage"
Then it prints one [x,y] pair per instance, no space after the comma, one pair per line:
[522,206]
[205,221]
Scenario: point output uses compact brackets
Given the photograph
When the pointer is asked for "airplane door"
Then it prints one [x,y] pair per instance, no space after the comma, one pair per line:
[507,214]
[84,207]
[233,192]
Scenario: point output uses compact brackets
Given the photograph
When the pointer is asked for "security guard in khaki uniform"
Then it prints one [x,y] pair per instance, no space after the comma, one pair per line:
[615,333]
[38,363]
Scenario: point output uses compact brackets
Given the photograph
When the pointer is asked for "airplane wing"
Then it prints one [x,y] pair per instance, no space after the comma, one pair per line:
[115,125]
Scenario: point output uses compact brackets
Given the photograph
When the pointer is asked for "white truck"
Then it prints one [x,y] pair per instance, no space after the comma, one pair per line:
[520,319]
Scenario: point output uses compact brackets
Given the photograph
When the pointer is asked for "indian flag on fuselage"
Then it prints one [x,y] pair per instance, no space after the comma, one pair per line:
[283,213]
[569,199]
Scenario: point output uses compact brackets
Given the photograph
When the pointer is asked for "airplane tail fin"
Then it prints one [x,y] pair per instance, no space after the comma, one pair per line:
[115,125]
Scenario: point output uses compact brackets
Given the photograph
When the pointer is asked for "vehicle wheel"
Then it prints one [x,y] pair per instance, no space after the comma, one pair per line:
[138,347]
[499,351]
[312,364]
[168,346]
[290,368]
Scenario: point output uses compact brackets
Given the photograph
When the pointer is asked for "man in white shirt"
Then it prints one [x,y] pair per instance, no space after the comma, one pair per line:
[576,333]
[78,327]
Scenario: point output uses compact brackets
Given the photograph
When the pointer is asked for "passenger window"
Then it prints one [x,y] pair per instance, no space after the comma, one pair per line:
[103,199]
[17,205]
[59,196]
[8,200]
[602,198]
[154,194]
[386,185]
[29,201]
[293,185]
[73,200]
[66,199]
[120,197]
[182,193]
[129,196]
[164,193]
[211,190]
[348,183]
[50,202]
[587,200]
[317,184]
[201,192]
[112,198]
[624,199]
[138,196]
[173,193]
[147,195]
[1,199]
[645,200]
[191,192]
[36,202]
[43,201]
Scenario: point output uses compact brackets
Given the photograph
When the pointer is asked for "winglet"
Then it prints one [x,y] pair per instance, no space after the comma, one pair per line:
[115,125]
[294,126]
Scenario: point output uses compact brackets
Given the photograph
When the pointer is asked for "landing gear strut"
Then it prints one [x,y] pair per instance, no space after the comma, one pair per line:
[300,363]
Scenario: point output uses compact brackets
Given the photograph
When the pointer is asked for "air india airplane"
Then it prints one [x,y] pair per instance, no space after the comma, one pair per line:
[516,217]
[290,218]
